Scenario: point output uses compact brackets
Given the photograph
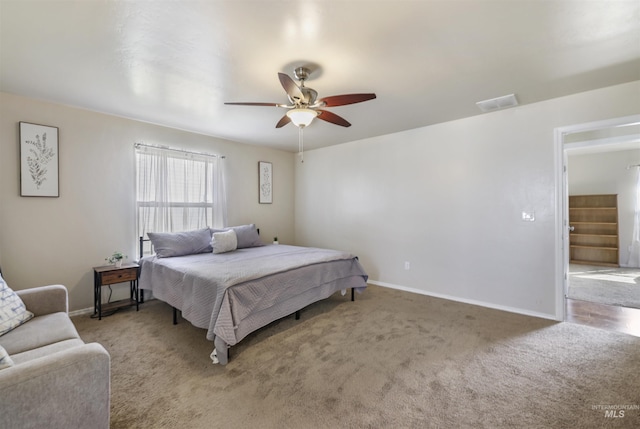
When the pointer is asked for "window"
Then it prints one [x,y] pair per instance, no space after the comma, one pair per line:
[178,190]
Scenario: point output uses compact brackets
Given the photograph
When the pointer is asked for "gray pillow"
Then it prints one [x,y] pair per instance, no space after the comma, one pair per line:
[168,244]
[247,235]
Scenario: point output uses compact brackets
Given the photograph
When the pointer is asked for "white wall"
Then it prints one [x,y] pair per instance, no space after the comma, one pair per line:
[448,198]
[59,240]
[606,173]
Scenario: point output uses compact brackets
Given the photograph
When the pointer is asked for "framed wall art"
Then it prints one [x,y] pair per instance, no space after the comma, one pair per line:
[38,160]
[265,182]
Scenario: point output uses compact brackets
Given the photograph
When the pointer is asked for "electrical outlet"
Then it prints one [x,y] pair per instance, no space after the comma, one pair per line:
[407,265]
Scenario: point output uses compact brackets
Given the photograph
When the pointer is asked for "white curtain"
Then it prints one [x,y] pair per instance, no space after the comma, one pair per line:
[634,249]
[219,193]
[178,190]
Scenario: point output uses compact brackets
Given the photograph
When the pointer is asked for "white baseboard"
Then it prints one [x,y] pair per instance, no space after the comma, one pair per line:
[466,301]
[81,312]
[407,289]
[90,309]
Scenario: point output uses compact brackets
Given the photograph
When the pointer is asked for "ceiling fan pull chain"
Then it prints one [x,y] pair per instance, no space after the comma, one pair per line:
[301,144]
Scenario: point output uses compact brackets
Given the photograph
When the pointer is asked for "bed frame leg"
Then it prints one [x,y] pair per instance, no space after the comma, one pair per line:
[353,296]
[298,315]
[175,315]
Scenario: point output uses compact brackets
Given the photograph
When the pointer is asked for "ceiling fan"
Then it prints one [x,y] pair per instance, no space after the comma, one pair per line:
[304,103]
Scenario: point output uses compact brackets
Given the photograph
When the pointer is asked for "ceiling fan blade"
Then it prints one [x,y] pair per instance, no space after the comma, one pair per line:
[293,91]
[283,121]
[257,104]
[325,115]
[342,100]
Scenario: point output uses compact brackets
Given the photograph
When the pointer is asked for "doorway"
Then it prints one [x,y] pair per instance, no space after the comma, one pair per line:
[587,302]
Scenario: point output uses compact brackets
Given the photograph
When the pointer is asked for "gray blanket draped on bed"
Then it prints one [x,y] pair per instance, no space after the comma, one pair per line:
[232,294]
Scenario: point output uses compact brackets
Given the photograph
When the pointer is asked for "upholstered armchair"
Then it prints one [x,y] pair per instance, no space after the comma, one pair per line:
[49,378]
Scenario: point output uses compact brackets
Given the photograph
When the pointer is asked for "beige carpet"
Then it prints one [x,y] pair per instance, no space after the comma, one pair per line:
[390,359]
[605,285]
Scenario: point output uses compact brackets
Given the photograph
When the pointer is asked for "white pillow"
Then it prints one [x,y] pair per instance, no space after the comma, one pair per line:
[226,241]
[13,313]
[5,359]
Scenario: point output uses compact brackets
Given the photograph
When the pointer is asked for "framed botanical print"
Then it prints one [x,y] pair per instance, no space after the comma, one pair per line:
[38,160]
[265,182]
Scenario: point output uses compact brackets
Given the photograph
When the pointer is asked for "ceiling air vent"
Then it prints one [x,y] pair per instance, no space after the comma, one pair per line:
[498,103]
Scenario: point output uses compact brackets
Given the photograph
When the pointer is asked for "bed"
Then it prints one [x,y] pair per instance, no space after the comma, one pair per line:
[231,293]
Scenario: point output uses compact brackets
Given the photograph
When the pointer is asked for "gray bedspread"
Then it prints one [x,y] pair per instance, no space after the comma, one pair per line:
[232,294]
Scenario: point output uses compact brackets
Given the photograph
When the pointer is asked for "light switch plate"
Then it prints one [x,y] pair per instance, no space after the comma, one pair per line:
[528,216]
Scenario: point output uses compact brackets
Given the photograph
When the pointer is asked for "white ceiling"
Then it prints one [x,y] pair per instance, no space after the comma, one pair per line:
[176,62]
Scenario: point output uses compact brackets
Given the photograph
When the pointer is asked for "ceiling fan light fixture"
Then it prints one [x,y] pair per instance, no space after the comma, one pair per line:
[302,117]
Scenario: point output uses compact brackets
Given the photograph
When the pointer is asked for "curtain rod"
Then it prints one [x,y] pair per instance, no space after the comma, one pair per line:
[629,167]
[138,145]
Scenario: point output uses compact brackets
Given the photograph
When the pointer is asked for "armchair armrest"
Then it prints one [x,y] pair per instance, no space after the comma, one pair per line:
[45,299]
[67,389]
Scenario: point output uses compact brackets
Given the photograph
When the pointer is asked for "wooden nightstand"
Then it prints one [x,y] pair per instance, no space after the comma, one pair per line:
[108,275]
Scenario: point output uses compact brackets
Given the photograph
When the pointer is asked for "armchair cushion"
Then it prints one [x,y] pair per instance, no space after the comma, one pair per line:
[39,332]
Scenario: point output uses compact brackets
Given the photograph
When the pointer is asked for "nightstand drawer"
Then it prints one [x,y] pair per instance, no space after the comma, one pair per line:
[119,276]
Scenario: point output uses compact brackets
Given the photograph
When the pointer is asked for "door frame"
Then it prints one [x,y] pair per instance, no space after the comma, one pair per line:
[562,197]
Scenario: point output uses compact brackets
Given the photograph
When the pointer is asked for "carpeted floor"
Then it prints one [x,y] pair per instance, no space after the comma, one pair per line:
[391,359]
[604,285]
